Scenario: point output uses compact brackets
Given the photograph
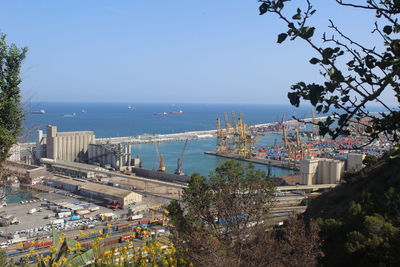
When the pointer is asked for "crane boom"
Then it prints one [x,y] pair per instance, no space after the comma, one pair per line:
[180,159]
[160,159]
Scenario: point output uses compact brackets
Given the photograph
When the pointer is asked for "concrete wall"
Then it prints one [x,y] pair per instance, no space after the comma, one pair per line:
[69,146]
[308,171]
[321,171]
[163,176]
[355,161]
[15,153]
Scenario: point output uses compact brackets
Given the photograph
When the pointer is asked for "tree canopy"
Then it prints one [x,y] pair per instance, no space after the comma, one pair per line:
[11,113]
[225,221]
[356,74]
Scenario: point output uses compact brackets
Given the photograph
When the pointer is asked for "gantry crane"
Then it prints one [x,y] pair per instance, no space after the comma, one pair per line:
[161,167]
[315,130]
[236,138]
[179,165]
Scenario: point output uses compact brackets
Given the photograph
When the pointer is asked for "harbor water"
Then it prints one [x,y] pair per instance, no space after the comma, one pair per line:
[115,119]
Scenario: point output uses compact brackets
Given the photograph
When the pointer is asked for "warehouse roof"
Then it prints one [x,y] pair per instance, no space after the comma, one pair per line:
[72,165]
[98,188]
[107,190]
[66,180]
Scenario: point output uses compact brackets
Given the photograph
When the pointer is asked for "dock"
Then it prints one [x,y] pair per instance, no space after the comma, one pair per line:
[272,162]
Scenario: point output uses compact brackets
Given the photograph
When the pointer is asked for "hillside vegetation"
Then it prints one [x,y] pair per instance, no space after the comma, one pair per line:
[360,219]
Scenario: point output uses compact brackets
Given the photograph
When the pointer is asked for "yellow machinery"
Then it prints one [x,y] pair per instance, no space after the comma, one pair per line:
[158,210]
[236,139]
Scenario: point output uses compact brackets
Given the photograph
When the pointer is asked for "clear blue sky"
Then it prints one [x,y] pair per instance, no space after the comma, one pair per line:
[216,51]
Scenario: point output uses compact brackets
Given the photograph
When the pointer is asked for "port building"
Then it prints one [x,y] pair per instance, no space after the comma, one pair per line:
[321,171]
[81,146]
[95,191]
[73,169]
[68,146]
[355,161]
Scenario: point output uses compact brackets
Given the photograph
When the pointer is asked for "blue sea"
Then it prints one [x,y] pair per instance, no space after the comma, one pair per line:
[115,119]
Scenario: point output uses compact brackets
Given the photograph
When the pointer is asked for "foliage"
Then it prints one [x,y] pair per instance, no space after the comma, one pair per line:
[66,252]
[224,221]
[11,115]
[359,220]
[355,74]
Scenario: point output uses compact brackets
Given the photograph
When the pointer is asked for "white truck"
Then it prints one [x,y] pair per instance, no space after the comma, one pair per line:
[57,221]
[32,211]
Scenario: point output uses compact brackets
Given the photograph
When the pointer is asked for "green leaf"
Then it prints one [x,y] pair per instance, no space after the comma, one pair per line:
[263,8]
[82,260]
[314,60]
[282,37]
[297,17]
[294,99]
[307,32]
[387,29]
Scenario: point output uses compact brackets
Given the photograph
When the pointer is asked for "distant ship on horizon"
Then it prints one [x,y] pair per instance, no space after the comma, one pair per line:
[42,111]
[69,115]
[131,107]
[160,114]
[176,112]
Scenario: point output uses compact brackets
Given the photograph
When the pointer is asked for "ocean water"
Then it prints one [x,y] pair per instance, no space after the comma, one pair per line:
[115,119]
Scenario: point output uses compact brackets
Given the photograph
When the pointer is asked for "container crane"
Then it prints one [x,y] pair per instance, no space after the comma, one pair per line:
[161,168]
[178,170]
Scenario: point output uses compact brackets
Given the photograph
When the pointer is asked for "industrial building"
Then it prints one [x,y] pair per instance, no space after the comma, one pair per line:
[116,156]
[355,161]
[81,147]
[27,174]
[321,171]
[95,191]
[74,169]
[69,146]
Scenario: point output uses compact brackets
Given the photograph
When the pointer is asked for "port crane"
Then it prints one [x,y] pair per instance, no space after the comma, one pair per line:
[179,165]
[161,167]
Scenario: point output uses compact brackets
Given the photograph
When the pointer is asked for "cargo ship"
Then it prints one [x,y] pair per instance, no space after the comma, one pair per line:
[42,111]
[176,112]
[160,114]
[69,115]
[130,107]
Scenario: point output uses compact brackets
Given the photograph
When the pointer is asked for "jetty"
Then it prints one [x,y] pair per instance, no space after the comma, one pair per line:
[276,163]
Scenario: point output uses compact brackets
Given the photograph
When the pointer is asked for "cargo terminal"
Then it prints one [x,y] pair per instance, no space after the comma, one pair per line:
[94,190]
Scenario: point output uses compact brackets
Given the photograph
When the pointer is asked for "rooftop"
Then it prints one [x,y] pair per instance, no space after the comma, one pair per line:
[109,190]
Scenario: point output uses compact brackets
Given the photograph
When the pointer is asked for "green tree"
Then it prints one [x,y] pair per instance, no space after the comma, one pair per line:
[355,74]
[225,221]
[11,113]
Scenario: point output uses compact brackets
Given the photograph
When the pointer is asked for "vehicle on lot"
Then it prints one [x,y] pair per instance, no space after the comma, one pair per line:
[32,211]
[57,221]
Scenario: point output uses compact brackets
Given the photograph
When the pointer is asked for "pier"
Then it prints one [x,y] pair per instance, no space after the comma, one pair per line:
[191,135]
[275,163]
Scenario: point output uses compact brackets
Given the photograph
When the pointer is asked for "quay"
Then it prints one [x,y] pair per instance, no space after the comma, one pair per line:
[192,135]
[272,162]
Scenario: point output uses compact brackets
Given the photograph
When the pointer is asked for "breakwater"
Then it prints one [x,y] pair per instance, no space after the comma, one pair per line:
[272,162]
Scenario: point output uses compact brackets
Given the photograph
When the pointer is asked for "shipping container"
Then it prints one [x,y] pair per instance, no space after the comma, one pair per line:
[82,212]
[75,217]
[44,244]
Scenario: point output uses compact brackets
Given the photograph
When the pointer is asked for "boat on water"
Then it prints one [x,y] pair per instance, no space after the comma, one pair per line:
[69,115]
[42,111]
[160,114]
[176,112]
[83,110]
[131,107]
